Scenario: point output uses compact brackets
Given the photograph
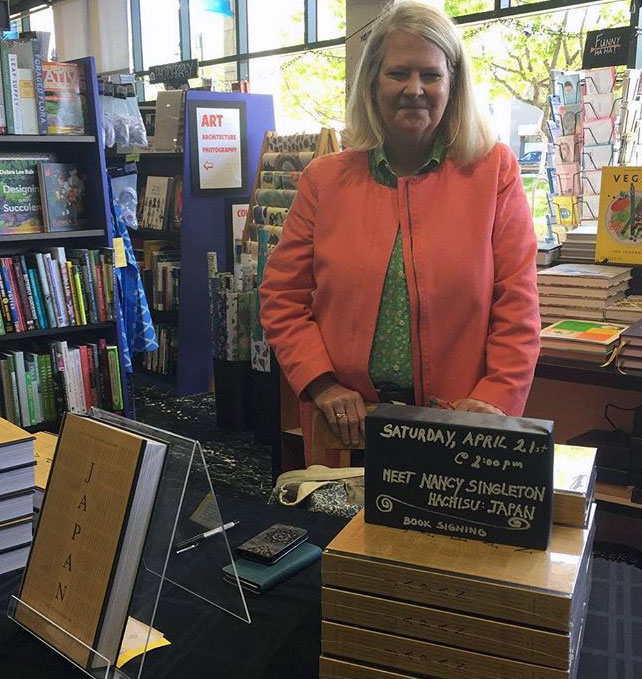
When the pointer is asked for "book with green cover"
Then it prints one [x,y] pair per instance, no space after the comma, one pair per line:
[20,209]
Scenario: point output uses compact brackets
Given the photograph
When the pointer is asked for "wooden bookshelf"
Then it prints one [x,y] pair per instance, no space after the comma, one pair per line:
[617,495]
[583,372]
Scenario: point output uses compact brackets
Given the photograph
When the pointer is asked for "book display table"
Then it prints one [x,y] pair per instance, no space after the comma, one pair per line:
[283,641]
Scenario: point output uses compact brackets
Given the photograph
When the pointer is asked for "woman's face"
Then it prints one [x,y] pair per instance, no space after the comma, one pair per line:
[412,88]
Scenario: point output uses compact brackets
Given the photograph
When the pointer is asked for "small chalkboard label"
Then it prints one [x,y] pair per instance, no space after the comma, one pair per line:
[607,47]
[466,475]
[175,74]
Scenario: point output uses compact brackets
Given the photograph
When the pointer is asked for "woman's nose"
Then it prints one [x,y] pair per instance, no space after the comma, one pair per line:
[414,85]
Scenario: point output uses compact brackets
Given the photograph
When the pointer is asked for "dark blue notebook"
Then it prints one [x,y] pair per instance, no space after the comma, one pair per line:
[258,578]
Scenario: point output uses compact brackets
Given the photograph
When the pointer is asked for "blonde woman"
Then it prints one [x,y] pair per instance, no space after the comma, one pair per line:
[406,270]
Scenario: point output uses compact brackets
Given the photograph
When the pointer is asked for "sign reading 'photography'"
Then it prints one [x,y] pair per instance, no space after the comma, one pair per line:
[175,74]
[467,475]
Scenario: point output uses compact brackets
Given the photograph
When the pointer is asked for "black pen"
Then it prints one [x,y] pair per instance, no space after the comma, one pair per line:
[184,545]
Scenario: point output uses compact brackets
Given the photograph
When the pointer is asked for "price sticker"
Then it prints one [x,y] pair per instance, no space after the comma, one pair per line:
[120,260]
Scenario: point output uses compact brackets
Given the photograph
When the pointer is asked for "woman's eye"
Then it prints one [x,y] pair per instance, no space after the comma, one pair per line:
[431,77]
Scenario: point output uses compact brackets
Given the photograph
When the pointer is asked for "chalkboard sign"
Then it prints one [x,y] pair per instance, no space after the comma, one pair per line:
[175,74]
[608,47]
[467,475]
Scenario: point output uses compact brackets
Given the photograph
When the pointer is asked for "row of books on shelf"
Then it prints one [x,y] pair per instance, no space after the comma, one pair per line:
[40,195]
[40,384]
[166,277]
[160,205]
[163,361]
[56,288]
[39,96]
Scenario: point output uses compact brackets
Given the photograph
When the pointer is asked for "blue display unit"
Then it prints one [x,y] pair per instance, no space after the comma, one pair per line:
[206,228]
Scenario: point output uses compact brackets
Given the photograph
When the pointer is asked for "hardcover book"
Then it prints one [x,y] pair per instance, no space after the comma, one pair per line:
[158,193]
[89,539]
[525,587]
[20,207]
[584,275]
[619,227]
[63,197]
[64,88]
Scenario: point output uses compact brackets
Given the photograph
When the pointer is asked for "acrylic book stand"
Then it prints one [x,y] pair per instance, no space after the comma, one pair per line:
[185,506]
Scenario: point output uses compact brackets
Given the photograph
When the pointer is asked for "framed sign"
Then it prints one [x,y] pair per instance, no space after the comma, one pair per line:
[461,474]
[608,47]
[218,147]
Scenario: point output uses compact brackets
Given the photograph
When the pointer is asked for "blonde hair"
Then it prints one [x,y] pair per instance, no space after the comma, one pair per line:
[467,133]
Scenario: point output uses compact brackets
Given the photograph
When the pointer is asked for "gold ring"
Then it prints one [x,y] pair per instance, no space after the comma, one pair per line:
[340,415]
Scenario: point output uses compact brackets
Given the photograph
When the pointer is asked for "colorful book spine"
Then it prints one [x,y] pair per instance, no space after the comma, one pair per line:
[3,116]
[96,273]
[55,284]
[5,308]
[10,293]
[37,298]
[80,293]
[74,292]
[41,105]
[31,293]
[104,371]
[9,410]
[46,290]
[85,373]
[114,377]
[58,255]
[23,296]
[14,85]
[6,81]
[21,380]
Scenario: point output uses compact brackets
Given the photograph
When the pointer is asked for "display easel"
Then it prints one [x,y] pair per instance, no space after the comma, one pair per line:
[185,505]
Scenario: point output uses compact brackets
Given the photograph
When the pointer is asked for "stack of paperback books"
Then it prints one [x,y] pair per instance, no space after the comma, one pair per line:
[399,603]
[580,291]
[627,310]
[630,351]
[579,245]
[16,495]
[581,340]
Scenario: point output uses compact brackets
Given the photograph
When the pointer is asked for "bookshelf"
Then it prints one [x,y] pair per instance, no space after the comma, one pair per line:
[87,153]
[205,228]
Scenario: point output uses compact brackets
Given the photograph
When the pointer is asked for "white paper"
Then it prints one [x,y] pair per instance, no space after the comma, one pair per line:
[219,148]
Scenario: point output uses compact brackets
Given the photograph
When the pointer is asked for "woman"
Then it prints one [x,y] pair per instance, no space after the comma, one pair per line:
[406,270]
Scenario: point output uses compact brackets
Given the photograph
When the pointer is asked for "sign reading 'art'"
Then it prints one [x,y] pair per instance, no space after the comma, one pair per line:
[467,475]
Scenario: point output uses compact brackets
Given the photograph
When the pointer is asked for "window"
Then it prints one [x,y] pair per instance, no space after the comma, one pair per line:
[512,60]
[212,29]
[331,19]
[44,21]
[308,88]
[161,35]
[274,24]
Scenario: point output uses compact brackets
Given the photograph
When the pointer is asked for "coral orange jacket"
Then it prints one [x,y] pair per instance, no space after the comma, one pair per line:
[469,252]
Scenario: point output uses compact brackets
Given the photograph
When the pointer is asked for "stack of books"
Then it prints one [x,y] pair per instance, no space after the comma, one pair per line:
[574,476]
[547,253]
[580,291]
[581,340]
[16,495]
[627,310]
[44,451]
[399,603]
[579,245]
[630,350]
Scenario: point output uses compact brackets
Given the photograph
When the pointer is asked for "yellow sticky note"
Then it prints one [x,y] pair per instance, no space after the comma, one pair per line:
[120,260]
[138,639]
[132,157]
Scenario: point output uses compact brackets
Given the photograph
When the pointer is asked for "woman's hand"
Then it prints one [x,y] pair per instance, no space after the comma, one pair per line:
[472,405]
[343,408]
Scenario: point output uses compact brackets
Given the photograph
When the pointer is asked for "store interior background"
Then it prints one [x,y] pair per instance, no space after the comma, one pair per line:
[303,53]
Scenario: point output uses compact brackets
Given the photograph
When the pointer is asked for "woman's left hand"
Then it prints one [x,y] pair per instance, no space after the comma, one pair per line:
[472,405]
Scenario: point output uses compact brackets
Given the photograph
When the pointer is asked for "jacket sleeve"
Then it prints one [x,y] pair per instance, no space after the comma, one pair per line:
[286,293]
[512,346]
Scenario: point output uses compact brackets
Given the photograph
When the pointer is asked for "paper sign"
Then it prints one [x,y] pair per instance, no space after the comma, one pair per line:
[120,260]
[239,216]
[218,133]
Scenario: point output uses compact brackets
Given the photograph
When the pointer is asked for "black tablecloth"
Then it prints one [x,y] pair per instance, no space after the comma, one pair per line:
[283,640]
